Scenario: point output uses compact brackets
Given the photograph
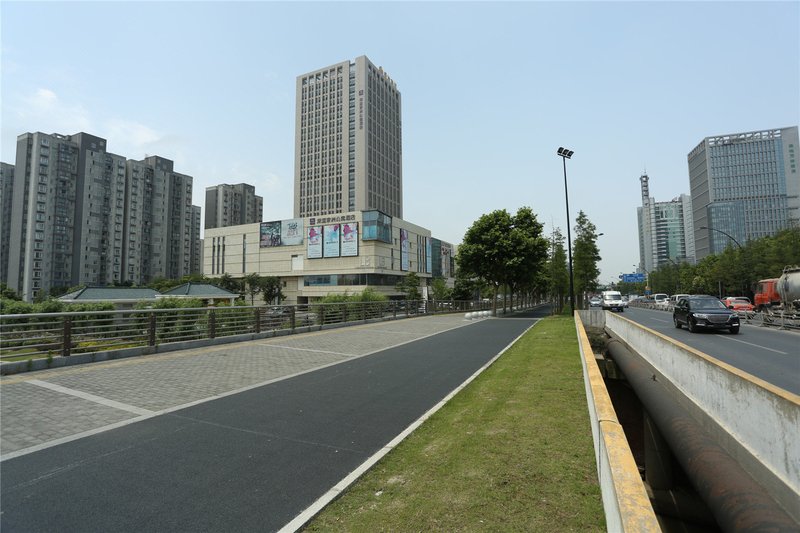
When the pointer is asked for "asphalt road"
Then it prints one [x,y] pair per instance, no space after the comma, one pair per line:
[767,353]
[246,462]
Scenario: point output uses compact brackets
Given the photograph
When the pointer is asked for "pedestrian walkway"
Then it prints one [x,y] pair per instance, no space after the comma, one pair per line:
[49,407]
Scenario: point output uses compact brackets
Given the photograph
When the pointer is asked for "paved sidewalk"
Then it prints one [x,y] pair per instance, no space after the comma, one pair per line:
[41,409]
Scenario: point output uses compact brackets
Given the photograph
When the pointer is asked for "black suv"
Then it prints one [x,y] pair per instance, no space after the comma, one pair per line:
[704,312]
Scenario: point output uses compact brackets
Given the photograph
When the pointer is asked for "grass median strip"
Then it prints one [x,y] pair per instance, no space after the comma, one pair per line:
[512,452]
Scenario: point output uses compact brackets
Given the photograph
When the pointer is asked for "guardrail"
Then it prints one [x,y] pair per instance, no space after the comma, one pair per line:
[625,501]
[27,337]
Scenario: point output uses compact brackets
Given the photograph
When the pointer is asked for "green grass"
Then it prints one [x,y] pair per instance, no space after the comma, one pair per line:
[512,452]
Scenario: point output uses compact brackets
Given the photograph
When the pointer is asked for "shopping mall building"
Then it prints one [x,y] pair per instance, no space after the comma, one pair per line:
[330,254]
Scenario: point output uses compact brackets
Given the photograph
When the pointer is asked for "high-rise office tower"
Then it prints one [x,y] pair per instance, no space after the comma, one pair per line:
[232,205]
[348,143]
[6,200]
[665,230]
[744,186]
[84,216]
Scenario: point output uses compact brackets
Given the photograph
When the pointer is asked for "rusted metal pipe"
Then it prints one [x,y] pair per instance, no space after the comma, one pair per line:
[737,501]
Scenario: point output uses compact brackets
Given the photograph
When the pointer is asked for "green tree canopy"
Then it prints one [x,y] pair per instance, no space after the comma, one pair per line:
[501,249]
[585,256]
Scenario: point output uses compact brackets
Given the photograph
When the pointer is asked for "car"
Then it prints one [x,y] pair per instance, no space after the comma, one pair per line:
[594,301]
[661,300]
[701,312]
[738,303]
[674,299]
[612,300]
[279,310]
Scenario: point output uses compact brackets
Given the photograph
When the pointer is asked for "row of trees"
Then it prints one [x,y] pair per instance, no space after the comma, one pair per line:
[510,253]
[734,272]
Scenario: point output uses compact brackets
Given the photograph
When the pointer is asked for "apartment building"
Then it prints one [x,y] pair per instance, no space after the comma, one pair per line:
[82,215]
[6,199]
[232,205]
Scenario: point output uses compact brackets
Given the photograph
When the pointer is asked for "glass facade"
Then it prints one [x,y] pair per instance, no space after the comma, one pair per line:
[376,226]
[338,280]
[744,185]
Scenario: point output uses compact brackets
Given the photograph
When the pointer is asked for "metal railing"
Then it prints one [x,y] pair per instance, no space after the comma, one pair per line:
[756,318]
[36,336]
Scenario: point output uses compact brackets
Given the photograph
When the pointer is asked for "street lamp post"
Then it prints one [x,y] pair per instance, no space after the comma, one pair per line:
[567,154]
[720,231]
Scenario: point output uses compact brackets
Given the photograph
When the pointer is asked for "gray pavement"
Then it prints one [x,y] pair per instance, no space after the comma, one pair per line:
[239,437]
[50,406]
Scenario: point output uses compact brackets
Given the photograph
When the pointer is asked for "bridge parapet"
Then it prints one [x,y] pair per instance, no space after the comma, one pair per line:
[754,421]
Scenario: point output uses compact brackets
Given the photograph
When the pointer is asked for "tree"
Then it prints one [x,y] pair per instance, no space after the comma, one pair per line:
[228,282]
[585,257]
[252,285]
[8,293]
[503,250]
[466,288]
[557,270]
[440,289]
[409,285]
[271,289]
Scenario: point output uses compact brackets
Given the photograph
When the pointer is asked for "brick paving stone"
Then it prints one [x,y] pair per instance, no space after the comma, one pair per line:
[33,415]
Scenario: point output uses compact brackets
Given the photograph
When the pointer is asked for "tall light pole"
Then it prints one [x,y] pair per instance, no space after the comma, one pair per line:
[567,154]
[720,231]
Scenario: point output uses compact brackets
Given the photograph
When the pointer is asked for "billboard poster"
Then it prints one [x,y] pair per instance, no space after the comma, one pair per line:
[314,249]
[403,249]
[292,232]
[330,236]
[428,253]
[446,253]
[350,239]
[270,234]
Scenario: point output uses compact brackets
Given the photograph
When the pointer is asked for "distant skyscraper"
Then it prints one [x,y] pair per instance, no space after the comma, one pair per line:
[232,205]
[84,216]
[348,143]
[665,230]
[744,186]
[6,200]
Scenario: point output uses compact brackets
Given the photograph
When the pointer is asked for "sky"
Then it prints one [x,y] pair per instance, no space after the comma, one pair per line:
[489,91]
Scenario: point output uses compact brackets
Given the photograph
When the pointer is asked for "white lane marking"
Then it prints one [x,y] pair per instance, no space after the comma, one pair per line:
[91,397]
[751,344]
[308,350]
[313,510]
[659,320]
[152,414]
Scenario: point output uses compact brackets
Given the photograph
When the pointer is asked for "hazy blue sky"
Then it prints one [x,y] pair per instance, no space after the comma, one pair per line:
[490,91]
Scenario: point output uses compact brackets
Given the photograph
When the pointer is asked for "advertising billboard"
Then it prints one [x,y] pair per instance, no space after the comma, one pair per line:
[292,232]
[270,234]
[403,249]
[428,252]
[314,249]
[447,251]
[281,233]
[330,237]
[350,239]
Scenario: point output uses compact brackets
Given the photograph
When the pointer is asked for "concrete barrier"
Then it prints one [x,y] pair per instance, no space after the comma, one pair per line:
[625,502]
[754,421]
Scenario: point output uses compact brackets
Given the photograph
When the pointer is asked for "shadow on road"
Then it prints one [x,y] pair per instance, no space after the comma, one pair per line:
[540,312]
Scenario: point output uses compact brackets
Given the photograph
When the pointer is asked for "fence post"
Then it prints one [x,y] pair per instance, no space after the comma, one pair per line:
[293,317]
[151,330]
[212,324]
[258,319]
[66,346]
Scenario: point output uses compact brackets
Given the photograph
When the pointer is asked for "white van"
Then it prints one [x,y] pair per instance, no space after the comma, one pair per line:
[661,300]
[613,300]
